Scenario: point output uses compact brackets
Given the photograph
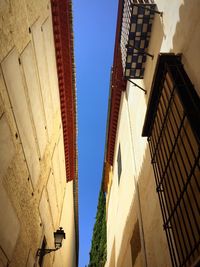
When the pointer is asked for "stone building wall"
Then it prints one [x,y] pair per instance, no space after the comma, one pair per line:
[34,197]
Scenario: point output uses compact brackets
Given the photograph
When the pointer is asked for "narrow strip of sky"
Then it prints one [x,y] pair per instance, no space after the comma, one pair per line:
[94,29]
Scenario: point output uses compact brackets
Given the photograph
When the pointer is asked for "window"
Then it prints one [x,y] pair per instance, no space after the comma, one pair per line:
[119,164]
[172,125]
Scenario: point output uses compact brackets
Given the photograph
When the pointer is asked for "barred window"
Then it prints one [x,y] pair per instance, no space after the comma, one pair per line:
[172,125]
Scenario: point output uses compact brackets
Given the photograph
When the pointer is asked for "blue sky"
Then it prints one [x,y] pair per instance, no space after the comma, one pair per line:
[94,29]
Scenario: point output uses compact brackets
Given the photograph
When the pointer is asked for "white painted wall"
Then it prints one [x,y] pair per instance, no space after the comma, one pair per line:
[122,194]
[177,32]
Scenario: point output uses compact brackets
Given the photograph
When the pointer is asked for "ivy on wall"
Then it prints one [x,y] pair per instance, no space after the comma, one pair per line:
[98,252]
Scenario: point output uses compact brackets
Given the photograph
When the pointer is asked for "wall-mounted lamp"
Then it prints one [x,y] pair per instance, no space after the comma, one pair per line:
[59,235]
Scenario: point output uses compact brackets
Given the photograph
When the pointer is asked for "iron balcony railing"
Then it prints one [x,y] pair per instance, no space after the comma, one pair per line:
[136,27]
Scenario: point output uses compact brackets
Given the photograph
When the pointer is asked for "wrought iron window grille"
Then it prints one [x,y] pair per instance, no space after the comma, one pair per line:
[172,125]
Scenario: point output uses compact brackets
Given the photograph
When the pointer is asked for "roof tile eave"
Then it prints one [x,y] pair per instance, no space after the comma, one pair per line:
[69,99]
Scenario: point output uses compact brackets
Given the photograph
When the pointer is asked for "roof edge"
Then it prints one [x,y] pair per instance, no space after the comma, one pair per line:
[62,19]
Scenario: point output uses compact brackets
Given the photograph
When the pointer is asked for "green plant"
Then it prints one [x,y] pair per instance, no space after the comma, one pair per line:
[98,252]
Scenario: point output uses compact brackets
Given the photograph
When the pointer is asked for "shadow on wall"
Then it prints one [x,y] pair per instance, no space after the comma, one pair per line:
[131,240]
[148,230]
[151,216]
[186,39]
[155,43]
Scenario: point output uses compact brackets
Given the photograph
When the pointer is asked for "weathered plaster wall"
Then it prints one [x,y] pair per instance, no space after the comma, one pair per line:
[35,199]
[127,259]
[177,32]
[122,211]
[67,254]
[151,220]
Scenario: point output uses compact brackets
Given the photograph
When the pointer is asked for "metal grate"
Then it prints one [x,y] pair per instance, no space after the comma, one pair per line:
[175,152]
[135,35]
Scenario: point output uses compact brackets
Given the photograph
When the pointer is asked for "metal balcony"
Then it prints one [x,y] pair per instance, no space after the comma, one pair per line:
[136,27]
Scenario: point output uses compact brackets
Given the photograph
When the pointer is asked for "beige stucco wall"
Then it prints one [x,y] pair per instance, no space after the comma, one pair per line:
[34,197]
[176,32]
[123,210]
[135,198]
[68,252]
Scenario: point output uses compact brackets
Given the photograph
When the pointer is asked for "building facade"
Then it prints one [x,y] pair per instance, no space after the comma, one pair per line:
[38,151]
[152,161]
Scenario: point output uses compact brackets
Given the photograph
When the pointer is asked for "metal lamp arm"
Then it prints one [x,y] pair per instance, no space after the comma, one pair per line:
[45,251]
